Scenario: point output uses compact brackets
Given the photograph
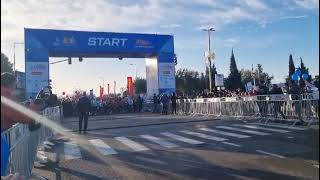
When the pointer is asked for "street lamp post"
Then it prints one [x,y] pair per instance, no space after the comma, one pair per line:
[209,56]
[14,55]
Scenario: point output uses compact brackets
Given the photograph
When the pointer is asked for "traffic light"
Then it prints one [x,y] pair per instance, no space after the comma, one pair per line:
[80,59]
[69,60]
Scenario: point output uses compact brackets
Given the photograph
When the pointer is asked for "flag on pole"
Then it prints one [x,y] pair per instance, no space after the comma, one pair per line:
[101,92]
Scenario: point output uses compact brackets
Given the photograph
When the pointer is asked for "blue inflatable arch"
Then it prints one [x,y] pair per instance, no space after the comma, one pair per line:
[158,50]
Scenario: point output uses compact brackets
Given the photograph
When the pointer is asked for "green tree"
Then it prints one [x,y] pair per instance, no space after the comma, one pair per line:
[303,70]
[246,76]
[140,85]
[188,81]
[6,65]
[233,81]
[292,68]
[261,77]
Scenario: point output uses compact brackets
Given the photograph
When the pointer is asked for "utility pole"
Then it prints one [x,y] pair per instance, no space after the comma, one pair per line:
[209,56]
[114,87]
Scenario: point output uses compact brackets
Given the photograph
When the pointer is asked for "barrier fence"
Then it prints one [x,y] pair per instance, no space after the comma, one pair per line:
[24,144]
[290,107]
[294,108]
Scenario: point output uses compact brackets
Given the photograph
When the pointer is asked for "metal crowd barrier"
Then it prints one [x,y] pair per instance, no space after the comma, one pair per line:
[292,108]
[25,144]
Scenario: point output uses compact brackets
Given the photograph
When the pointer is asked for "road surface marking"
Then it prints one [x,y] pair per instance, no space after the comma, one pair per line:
[102,147]
[71,151]
[225,133]
[270,154]
[181,138]
[232,144]
[133,145]
[159,141]
[244,130]
[316,165]
[204,136]
[263,128]
[279,126]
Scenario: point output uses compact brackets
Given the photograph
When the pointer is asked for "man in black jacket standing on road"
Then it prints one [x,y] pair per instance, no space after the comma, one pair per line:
[84,107]
[174,103]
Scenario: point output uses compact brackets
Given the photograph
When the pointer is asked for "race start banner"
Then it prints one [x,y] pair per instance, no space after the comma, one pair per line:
[130,86]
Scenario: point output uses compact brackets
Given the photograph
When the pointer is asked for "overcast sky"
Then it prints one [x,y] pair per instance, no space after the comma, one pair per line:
[264,32]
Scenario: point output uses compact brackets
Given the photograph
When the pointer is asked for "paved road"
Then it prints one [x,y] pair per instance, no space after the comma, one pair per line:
[149,146]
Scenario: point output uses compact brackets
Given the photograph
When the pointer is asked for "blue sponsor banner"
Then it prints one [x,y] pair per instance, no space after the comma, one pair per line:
[41,43]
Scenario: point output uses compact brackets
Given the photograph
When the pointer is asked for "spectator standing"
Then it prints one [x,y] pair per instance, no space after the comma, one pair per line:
[155,103]
[174,103]
[140,102]
[84,107]
[277,104]
[164,101]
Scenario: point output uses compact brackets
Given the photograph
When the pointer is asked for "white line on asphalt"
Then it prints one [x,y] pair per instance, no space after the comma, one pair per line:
[102,147]
[159,141]
[280,126]
[270,154]
[181,138]
[204,136]
[71,151]
[262,128]
[133,145]
[244,130]
[232,144]
[225,133]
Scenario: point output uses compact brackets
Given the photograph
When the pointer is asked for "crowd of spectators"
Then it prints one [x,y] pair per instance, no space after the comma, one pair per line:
[258,90]
[109,104]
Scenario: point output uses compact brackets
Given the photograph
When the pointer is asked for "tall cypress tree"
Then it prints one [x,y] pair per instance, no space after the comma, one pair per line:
[303,70]
[234,79]
[291,66]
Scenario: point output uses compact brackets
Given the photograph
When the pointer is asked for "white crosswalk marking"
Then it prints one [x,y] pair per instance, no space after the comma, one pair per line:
[133,145]
[244,130]
[263,128]
[270,154]
[225,133]
[204,136]
[279,126]
[159,141]
[102,147]
[181,138]
[71,151]
[232,144]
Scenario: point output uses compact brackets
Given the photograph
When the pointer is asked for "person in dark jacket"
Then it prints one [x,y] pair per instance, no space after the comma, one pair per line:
[164,101]
[84,107]
[155,103]
[277,104]
[140,102]
[174,103]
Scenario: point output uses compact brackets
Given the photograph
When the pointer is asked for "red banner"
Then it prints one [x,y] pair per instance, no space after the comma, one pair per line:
[101,92]
[130,86]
